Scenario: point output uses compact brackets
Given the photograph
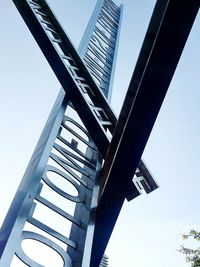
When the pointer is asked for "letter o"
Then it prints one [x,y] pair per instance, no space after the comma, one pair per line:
[35,236]
[81,194]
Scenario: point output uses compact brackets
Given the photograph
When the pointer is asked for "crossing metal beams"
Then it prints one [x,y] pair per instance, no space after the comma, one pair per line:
[76,80]
[159,56]
[61,155]
[73,75]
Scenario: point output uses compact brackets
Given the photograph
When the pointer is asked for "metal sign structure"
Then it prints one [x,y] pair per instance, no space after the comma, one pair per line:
[82,142]
[99,44]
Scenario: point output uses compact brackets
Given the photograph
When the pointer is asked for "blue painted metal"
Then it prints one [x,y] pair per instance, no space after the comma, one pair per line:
[67,262]
[64,137]
[24,205]
[163,50]
[85,43]
[82,48]
[95,42]
[67,164]
[10,234]
[115,56]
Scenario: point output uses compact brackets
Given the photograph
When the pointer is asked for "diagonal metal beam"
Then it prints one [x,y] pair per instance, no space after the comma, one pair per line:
[145,52]
[57,46]
[73,75]
[157,69]
[76,81]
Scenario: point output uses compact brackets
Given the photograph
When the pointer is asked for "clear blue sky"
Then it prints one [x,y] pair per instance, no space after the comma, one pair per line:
[149,229]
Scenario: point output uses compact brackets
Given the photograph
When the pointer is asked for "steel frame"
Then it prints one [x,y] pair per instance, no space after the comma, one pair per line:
[79,241]
[165,36]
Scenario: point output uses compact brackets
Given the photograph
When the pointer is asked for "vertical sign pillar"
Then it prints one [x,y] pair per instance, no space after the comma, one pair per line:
[98,49]
[99,44]
[66,149]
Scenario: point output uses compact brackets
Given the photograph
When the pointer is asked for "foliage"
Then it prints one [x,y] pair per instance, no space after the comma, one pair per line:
[191,255]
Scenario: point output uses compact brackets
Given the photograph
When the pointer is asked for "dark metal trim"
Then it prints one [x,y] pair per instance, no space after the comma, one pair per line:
[157,71]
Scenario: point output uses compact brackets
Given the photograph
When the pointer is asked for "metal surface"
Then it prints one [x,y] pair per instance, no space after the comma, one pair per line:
[93,44]
[171,35]
[64,156]
[70,70]
[35,236]
[80,167]
[76,80]
[76,136]
[10,234]
[99,44]
[104,262]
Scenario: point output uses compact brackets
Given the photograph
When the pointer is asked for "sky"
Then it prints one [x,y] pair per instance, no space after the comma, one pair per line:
[148,231]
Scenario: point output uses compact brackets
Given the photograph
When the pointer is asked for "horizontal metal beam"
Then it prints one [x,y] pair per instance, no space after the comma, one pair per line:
[155,72]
